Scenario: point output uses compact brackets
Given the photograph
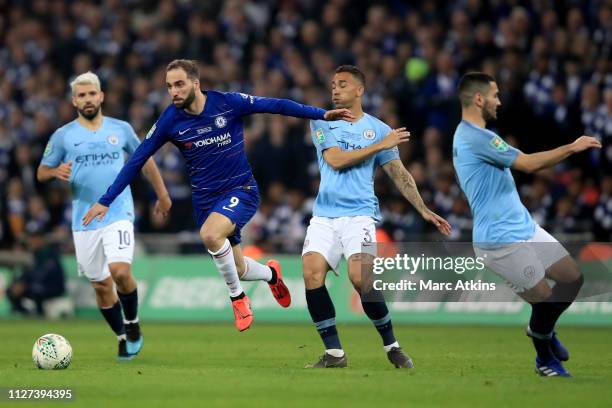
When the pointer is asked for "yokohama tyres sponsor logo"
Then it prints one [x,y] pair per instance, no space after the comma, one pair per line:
[220,140]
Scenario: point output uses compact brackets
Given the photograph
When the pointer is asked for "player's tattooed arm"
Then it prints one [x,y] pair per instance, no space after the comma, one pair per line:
[405,183]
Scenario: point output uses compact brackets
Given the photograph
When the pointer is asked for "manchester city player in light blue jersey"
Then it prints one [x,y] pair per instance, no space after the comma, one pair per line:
[88,153]
[505,235]
[206,126]
[346,210]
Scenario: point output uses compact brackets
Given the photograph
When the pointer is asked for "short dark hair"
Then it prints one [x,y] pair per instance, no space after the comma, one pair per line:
[471,83]
[189,66]
[353,70]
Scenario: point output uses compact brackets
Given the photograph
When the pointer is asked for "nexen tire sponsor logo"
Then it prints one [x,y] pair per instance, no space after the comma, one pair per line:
[220,140]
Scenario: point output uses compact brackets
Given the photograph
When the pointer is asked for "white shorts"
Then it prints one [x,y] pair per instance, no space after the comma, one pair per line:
[335,237]
[523,264]
[96,249]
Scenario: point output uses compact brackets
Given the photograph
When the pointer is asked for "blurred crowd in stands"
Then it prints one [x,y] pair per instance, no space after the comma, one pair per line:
[552,61]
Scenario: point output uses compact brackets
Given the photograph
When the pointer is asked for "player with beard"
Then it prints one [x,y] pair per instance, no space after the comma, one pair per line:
[88,153]
[346,211]
[505,236]
[206,126]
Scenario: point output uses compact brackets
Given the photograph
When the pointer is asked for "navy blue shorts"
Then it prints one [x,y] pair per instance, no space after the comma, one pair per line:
[239,205]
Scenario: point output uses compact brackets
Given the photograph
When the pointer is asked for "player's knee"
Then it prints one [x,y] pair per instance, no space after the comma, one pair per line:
[564,271]
[102,287]
[575,276]
[212,239]
[314,268]
[356,282]
[360,272]
[120,273]
[313,277]
[538,294]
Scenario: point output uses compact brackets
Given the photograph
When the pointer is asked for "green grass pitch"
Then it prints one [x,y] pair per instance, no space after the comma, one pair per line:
[204,365]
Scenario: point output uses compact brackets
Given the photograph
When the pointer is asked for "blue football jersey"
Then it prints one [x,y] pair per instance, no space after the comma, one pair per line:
[212,143]
[482,162]
[97,158]
[349,192]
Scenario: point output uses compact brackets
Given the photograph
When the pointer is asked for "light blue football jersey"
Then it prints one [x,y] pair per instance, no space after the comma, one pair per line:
[349,192]
[482,162]
[97,158]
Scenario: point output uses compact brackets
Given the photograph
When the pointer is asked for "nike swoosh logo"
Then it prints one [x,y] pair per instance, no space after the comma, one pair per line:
[332,128]
[182,132]
[123,247]
[77,144]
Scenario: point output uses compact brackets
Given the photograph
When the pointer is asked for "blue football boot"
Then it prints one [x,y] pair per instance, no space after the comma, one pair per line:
[135,339]
[558,348]
[551,368]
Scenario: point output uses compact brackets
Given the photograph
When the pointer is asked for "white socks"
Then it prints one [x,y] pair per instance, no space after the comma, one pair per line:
[256,271]
[390,346]
[335,352]
[339,352]
[224,260]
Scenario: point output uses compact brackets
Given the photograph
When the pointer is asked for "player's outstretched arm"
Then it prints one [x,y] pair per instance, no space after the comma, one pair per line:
[152,174]
[287,107]
[126,175]
[405,183]
[533,162]
[61,172]
[339,159]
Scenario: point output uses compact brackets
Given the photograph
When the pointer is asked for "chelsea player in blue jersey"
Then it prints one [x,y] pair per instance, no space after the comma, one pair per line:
[346,210]
[89,153]
[206,126]
[505,236]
